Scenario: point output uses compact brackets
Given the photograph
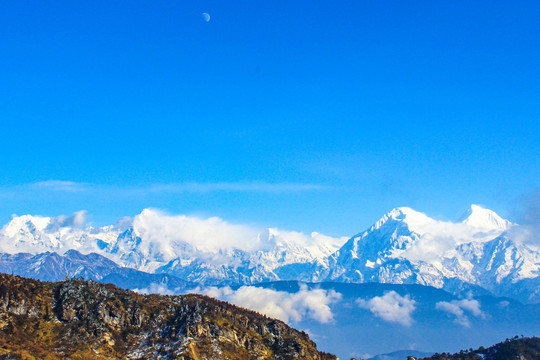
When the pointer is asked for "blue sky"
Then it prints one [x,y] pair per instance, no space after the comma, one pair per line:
[313,116]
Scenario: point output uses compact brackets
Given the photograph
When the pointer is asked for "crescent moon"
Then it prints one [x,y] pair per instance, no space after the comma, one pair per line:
[206,17]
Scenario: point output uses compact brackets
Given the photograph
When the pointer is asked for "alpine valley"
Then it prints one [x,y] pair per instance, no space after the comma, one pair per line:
[474,278]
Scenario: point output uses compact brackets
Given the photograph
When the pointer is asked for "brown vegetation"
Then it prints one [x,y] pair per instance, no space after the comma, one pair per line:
[515,348]
[79,319]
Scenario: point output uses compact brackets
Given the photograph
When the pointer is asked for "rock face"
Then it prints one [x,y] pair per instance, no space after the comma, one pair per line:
[79,319]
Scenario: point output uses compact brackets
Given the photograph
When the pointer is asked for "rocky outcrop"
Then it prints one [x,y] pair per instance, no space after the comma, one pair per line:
[79,319]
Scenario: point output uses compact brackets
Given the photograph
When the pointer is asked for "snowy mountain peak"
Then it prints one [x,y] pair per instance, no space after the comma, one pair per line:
[18,224]
[480,217]
[25,234]
[405,215]
[148,212]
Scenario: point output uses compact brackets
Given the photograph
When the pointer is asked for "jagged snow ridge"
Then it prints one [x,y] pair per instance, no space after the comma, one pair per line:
[154,239]
[404,246]
[479,217]
[37,234]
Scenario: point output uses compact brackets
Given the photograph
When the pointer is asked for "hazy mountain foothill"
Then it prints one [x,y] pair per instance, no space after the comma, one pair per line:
[401,355]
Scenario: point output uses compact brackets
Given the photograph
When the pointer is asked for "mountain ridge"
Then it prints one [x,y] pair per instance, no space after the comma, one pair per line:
[404,246]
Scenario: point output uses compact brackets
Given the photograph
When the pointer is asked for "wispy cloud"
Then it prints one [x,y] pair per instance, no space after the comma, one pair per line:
[458,308]
[235,187]
[169,188]
[76,220]
[529,217]
[57,185]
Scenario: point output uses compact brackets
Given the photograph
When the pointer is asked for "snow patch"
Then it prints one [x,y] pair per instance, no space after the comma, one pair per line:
[482,218]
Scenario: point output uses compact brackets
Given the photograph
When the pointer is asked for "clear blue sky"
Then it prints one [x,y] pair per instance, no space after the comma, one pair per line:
[306,115]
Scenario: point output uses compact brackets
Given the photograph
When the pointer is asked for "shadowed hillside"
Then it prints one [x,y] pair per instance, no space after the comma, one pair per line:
[516,348]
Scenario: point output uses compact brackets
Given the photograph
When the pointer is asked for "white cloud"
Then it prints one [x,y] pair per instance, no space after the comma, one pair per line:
[59,185]
[76,220]
[155,288]
[272,237]
[72,189]
[235,187]
[455,310]
[391,307]
[123,223]
[527,235]
[458,308]
[440,239]
[167,235]
[473,306]
[306,303]
[210,235]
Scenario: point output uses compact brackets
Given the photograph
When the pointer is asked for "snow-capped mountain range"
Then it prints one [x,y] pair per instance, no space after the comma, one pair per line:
[480,250]
[406,246]
[202,250]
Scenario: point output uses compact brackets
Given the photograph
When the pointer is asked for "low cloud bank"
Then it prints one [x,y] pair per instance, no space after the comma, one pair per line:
[77,220]
[391,307]
[155,288]
[440,238]
[306,303]
[458,309]
[215,234]
[211,234]
[529,217]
